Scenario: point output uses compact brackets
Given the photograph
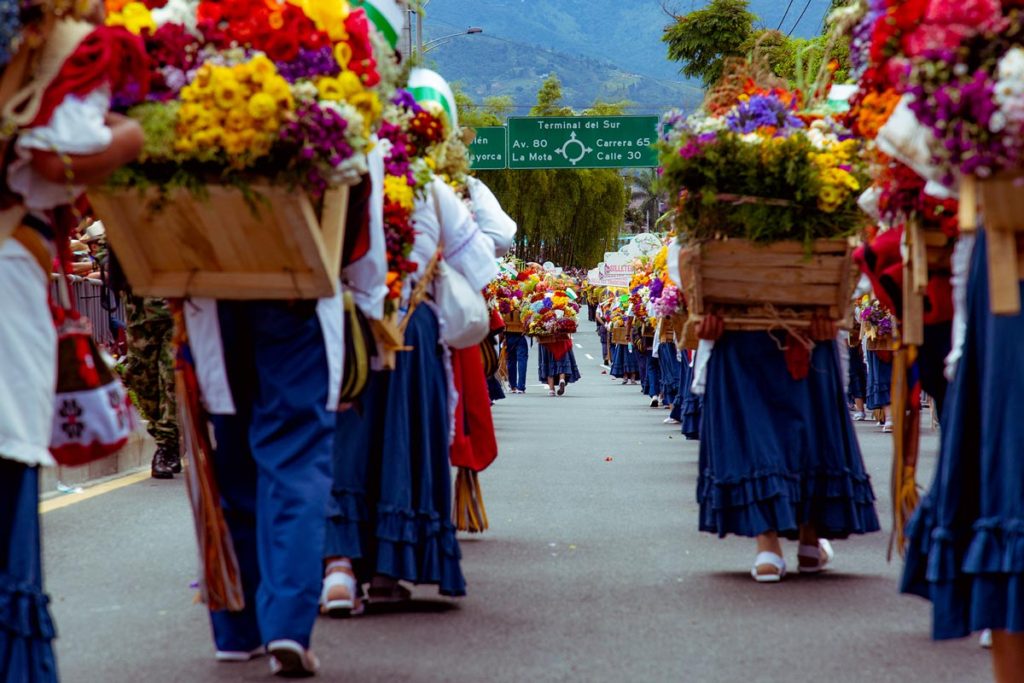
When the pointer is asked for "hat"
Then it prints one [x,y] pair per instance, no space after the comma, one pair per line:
[431,91]
[388,16]
[94,232]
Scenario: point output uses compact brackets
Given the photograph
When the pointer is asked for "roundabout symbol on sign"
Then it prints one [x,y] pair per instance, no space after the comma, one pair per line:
[583,150]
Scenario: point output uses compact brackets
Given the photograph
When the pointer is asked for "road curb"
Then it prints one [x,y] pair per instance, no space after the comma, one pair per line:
[138,453]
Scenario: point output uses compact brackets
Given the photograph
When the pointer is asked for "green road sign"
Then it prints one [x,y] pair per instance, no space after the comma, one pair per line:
[582,142]
[488,150]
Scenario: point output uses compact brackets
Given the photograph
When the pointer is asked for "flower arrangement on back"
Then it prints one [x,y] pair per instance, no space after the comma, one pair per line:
[877,322]
[550,308]
[756,168]
[286,90]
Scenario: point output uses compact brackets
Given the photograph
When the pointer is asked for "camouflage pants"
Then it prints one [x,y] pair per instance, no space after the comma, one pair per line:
[149,367]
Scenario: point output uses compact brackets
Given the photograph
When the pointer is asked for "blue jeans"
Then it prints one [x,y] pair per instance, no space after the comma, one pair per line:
[274,466]
[517,350]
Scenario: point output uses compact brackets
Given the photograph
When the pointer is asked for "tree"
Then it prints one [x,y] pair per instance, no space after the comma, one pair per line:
[704,38]
[646,197]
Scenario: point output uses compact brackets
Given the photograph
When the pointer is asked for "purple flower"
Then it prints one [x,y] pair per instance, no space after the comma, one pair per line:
[310,64]
[762,111]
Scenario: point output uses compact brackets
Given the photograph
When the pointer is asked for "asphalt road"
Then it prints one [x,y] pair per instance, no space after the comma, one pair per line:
[593,570]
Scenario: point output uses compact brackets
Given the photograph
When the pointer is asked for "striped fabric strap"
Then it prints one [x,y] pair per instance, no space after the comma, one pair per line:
[383,24]
[425,93]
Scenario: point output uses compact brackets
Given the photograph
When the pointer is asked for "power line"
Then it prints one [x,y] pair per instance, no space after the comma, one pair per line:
[799,18]
[784,15]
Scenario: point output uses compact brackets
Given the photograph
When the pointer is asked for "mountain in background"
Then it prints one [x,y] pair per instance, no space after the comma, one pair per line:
[600,49]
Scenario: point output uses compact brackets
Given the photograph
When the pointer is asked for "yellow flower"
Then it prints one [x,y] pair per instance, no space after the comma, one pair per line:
[330,89]
[242,72]
[135,17]
[329,16]
[189,113]
[184,145]
[280,91]
[368,105]
[238,120]
[227,92]
[271,124]
[397,190]
[262,68]
[261,106]
[233,143]
[350,84]
[343,54]
[203,76]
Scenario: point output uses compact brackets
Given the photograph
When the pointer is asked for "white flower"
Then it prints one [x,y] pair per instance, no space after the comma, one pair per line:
[997,123]
[1011,66]
[178,12]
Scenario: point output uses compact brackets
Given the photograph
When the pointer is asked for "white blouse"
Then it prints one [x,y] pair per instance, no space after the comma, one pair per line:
[441,217]
[77,127]
[491,218]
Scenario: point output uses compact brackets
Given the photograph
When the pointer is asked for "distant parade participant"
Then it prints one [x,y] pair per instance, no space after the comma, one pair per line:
[625,365]
[690,403]
[601,319]
[879,393]
[778,456]
[392,458]
[67,140]
[856,392]
[556,365]
[517,356]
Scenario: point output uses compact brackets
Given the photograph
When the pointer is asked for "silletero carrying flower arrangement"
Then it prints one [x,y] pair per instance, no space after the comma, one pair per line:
[258,115]
[549,307]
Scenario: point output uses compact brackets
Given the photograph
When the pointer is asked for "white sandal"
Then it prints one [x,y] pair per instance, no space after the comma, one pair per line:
[339,597]
[815,552]
[772,559]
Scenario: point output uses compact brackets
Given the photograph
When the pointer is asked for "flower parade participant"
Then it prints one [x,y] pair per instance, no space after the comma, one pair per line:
[690,403]
[779,456]
[67,138]
[236,90]
[505,295]
[390,517]
[624,362]
[778,477]
[964,548]
[549,313]
[557,365]
[963,541]
[517,351]
[879,386]
[856,392]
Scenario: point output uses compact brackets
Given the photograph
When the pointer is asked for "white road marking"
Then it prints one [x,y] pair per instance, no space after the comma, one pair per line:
[589,357]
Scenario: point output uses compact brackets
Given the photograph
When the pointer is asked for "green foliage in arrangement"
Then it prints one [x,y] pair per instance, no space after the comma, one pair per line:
[703,39]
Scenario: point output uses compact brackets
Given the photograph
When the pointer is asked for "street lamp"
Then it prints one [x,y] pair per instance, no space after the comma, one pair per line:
[436,42]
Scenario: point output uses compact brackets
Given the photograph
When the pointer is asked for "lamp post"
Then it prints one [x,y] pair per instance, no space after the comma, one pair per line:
[436,42]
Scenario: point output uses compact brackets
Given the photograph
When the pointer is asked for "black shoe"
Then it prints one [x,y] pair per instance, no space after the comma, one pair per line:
[165,464]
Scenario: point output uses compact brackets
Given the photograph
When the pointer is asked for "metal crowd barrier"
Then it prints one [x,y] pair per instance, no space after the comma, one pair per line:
[99,305]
